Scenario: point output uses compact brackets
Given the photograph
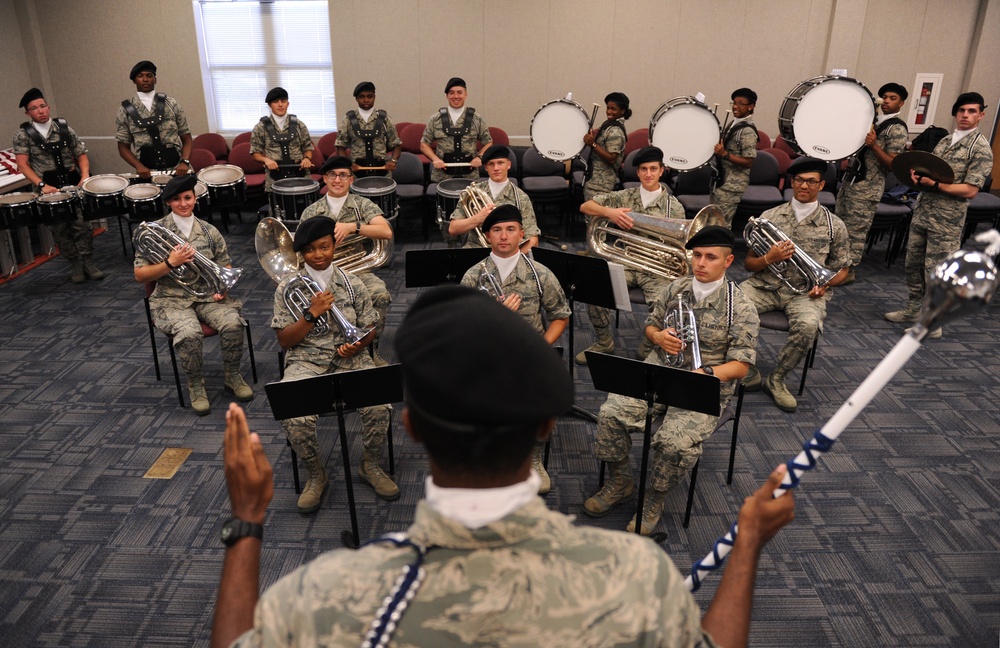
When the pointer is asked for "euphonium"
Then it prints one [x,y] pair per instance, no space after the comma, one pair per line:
[474,199]
[761,235]
[681,318]
[358,253]
[156,242]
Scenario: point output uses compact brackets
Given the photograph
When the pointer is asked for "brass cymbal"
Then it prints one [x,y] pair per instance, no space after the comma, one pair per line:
[924,164]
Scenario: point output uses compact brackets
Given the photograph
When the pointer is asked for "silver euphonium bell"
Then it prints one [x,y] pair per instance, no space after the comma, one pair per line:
[156,242]
[761,235]
[474,199]
[680,317]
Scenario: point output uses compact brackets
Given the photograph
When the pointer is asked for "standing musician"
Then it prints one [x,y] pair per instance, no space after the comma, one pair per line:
[811,228]
[281,141]
[354,216]
[864,185]
[155,125]
[312,352]
[939,217]
[458,134]
[177,312]
[735,153]
[727,326]
[529,289]
[51,156]
[651,198]
[497,160]
[607,147]
[370,135]
[493,566]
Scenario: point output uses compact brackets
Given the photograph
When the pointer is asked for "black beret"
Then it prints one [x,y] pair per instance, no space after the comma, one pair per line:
[711,236]
[502,214]
[495,151]
[141,66]
[617,97]
[364,86]
[312,229]
[30,96]
[746,93]
[276,93]
[452,82]
[894,87]
[648,154]
[514,379]
[178,185]
[968,98]
[807,165]
[335,162]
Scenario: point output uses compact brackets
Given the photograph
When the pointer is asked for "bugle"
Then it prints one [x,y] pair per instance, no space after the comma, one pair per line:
[761,235]
[156,242]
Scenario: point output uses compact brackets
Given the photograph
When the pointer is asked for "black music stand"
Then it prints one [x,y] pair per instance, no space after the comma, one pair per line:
[338,392]
[435,267]
[654,384]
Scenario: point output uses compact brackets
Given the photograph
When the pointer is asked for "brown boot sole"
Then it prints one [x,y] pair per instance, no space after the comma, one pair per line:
[387,498]
[767,390]
[230,390]
[594,514]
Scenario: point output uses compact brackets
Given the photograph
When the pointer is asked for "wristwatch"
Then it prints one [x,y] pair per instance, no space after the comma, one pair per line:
[708,370]
[187,162]
[309,317]
[357,230]
[41,185]
[234,528]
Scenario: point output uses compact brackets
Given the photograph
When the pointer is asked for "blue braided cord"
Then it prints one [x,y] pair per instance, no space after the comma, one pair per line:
[411,575]
[813,448]
[726,540]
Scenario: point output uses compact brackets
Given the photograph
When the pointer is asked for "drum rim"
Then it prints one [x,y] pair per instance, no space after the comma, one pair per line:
[531,130]
[145,186]
[241,177]
[298,189]
[91,180]
[388,186]
[32,198]
[791,101]
[665,109]
[451,193]
[50,199]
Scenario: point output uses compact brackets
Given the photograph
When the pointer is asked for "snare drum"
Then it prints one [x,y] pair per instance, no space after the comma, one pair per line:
[379,190]
[686,130]
[227,186]
[59,207]
[143,202]
[827,117]
[448,192]
[161,180]
[290,197]
[18,209]
[557,129]
[102,195]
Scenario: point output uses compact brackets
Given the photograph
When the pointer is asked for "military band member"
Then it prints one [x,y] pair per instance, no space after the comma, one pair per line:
[811,228]
[177,312]
[862,190]
[497,160]
[735,154]
[939,217]
[281,141]
[607,147]
[50,155]
[311,351]
[652,199]
[529,289]
[154,125]
[458,134]
[370,135]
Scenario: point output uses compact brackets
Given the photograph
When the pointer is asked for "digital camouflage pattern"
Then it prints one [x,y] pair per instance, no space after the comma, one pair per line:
[173,126]
[348,139]
[477,137]
[510,195]
[552,302]
[604,176]
[261,142]
[736,178]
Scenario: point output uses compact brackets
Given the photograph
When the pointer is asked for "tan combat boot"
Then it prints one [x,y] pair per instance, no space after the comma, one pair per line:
[371,473]
[774,386]
[618,487]
[652,510]
[92,271]
[76,272]
[312,494]
[605,344]
[905,315]
[239,387]
[199,397]
[536,463]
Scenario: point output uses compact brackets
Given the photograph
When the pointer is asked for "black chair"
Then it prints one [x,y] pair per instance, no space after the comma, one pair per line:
[409,177]
[891,219]
[543,181]
[692,189]
[762,193]
[984,208]
[778,321]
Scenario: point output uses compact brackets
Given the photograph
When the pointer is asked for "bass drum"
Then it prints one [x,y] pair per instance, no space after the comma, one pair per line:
[557,129]
[290,197]
[827,117]
[379,190]
[686,130]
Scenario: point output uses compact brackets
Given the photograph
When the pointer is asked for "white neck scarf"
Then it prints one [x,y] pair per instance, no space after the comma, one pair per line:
[497,188]
[505,266]
[476,507]
[803,210]
[883,117]
[184,224]
[336,204]
[455,114]
[959,134]
[147,98]
[366,114]
[44,129]
[648,197]
[703,290]
[279,122]
[322,277]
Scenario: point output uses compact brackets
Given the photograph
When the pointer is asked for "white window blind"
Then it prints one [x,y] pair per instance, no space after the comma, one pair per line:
[247,48]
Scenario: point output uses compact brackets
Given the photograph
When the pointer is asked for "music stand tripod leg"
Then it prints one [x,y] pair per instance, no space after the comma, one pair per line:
[348,480]
[646,442]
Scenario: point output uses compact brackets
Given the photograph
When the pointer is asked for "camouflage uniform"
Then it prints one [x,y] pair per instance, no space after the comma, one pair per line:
[603,176]
[261,142]
[677,444]
[511,195]
[857,201]
[805,314]
[317,355]
[735,178]
[358,208]
[530,579]
[539,292]
[179,314]
[75,238]
[172,128]
[434,134]
[381,146]
[938,219]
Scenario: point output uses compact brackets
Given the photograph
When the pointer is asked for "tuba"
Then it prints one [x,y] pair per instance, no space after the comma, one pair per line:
[654,244]
[274,251]
[761,235]
[681,318]
[155,242]
[474,199]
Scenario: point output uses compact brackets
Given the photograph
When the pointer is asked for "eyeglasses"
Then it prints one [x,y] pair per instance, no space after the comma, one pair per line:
[741,105]
[809,182]
[338,176]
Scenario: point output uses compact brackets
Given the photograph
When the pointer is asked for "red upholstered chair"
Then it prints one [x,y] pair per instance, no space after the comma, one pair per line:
[499,136]
[637,139]
[239,139]
[214,143]
[782,145]
[252,169]
[318,158]
[764,140]
[201,158]
[328,144]
[783,160]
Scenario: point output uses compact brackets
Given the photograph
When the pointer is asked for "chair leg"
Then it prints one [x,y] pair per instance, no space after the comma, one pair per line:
[545,457]
[600,477]
[295,468]
[253,362]
[808,362]
[177,376]
[152,339]
[736,431]
[392,458]
[690,502]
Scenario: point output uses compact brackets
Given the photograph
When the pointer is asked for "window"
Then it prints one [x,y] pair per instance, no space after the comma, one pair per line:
[247,48]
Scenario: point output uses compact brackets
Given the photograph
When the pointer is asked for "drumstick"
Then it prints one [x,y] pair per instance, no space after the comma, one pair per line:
[715,110]
[381,168]
[458,164]
[725,124]
[593,117]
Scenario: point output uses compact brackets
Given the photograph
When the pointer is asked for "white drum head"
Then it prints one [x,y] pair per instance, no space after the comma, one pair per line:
[832,120]
[294,186]
[101,185]
[220,175]
[200,189]
[557,130]
[452,187]
[56,198]
[373,186]
[687,134]
[17,198]
[162,179]
[145,191]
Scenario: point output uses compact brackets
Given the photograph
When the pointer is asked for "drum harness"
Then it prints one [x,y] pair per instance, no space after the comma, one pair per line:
[60,176]
[608,123]
[719,171]
[368,136]
[857,169]
[284,141]
[156,155]
[457,133]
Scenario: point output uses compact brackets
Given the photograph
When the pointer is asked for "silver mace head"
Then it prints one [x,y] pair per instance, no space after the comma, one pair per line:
[961,284]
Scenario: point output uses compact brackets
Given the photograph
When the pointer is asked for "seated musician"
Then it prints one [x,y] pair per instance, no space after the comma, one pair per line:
[355,216]
[179,313]
[814,230]
[281,141]
[502,191]
[727,326]
[370,135]
[458,134]
[529,288]
[735,154]
[652,199]
[314,350]
[607,147]
[155,125]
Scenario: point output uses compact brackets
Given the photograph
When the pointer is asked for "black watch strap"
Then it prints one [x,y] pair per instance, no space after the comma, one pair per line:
[308,316]
[234,528]
[708,370]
